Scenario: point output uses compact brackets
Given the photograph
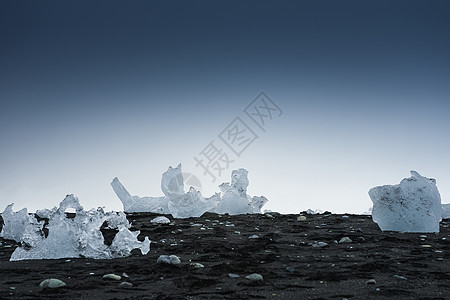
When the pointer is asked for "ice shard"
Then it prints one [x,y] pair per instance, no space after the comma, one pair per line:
[139,204]
[414,205]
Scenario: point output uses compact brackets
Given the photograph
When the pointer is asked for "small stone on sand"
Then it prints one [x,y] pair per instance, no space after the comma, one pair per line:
[255,277]
[319,244]
[112,277]
[125,285]
[52,283]
[169,259]
[160,220]
[197,265]
[345,240]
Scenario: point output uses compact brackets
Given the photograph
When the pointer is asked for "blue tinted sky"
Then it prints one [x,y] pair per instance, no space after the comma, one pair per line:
[93,90]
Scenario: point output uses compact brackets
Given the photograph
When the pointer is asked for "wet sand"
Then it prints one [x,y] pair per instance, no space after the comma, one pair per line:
[404,265]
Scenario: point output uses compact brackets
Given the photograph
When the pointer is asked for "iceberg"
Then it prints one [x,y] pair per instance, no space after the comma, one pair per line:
[182,204]
[414,205]
[77,236]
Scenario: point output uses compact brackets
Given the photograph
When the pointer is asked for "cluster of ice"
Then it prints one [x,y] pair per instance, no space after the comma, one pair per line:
[192,204]
[414,205]
[79,236]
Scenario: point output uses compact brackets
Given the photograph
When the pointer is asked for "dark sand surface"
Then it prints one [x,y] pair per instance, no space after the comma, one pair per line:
[336,271]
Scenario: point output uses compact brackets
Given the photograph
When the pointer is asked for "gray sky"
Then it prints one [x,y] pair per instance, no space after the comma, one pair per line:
[94,90]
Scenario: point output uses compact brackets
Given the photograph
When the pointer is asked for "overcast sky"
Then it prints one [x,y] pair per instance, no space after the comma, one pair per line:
[356,95]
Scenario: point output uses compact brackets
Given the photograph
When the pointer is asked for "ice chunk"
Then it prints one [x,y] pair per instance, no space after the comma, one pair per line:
[181,204]
[172,183]
[137,204]
[192,204]
[116,219]
[126,240]
[414,205]
[45,213]
[239,182]
[20,226]
[235,200]
[233,204]
[257,203]
[78,236]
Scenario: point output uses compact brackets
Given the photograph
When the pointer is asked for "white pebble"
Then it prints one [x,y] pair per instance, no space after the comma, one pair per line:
[112,277]
[345,240]
[319,244]
[169,259]
[254,277]
[197,265]
[52,283]
[160,220]
[125,285]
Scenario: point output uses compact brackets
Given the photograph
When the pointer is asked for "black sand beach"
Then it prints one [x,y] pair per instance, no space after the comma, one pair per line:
[403,265]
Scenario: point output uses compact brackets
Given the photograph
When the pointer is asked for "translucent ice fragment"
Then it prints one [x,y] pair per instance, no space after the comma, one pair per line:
[126,240]
[257,203]
[20,226]
[414,205]
[138,204]
[172,183]
[190,204]
[80,235]
[235,199]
